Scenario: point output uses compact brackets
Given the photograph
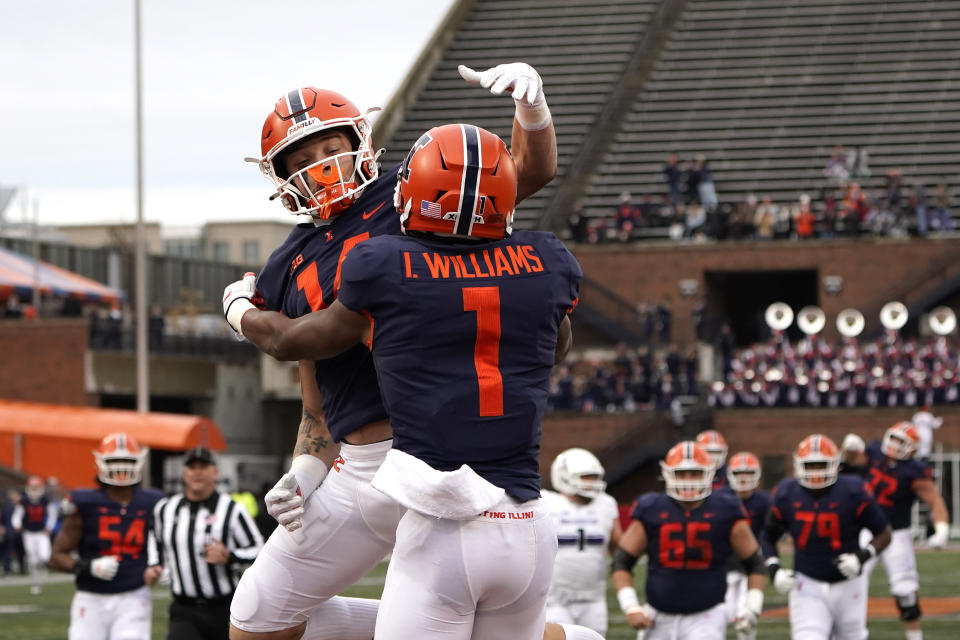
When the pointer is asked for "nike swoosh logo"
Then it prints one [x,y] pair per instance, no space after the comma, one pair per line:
[367,214]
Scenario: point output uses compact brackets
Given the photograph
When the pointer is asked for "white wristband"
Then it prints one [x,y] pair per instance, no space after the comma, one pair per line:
[309,471]
[533,117]
[942,529]
[627,597]
[235,313]
[755,600]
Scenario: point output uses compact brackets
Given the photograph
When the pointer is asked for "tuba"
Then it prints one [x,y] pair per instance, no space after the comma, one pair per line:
[893,316]
[811,320]
[850,323]
[778,316]
[943,321]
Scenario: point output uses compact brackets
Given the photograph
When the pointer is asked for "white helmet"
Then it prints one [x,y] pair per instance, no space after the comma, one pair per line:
[743,471]
[816,450]
[688,456]
[568,470]
[120,460]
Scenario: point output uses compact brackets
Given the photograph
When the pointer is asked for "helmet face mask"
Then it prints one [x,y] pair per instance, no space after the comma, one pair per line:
[120,460]
[326,187]
[460,180]
[688,472]
[816,462]
[577,472]
[900,441]
[743,472]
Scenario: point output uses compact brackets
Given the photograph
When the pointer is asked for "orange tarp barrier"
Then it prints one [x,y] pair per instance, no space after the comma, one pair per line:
[58,440]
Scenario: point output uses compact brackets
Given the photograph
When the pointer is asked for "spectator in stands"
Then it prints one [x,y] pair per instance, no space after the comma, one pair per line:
[941,220]
[13,308]
[561,389]
[705,186]
[687,182]
[837,171]
[829,221]
[648,211]
[696,222]
[765,218]
[858,162]
[671,175]
[805,219]
[627,217]
[577,223]
[646,318]
[664,320]
[853,209]
[918,203]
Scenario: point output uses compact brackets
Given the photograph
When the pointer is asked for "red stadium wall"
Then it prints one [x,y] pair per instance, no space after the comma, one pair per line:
[873,271]
[43,360]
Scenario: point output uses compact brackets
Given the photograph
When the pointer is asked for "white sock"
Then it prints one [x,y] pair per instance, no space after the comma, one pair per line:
[341,618]
[914,634]
[574,632]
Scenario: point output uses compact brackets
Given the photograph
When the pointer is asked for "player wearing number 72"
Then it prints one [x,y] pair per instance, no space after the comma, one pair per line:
[465,321]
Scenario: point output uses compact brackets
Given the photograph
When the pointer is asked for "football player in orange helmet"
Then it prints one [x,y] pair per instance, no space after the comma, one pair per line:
[35,517]
[743,475]
[490,182]
[688,533]
[103,541]
[824,513]
[716,446]
[898,479]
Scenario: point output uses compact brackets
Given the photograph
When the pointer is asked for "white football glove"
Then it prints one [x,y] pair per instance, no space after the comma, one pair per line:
[940,536]
[105,567]
[746,620]
[783,581]
[525,85]
[284,502]
[850,564]
[237,298]
[853,443]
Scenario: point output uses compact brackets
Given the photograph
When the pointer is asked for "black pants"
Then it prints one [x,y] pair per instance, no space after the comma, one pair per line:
[199,619]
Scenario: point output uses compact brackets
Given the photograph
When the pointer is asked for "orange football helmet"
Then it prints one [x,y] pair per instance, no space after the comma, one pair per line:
[816,450]
[120,460]
[35,488]
[688,456]
[323,189]
[743,471]
[458,179]
[900,441]
[715,445]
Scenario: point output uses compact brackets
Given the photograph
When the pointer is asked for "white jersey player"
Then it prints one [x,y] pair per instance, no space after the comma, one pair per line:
[588,528]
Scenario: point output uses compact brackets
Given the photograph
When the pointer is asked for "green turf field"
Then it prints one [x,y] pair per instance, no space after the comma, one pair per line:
[46,617]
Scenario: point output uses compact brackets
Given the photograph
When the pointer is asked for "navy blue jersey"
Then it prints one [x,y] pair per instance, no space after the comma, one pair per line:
[303,275]
[110,528]
[824,522]
[464,338]
[720,477]
[35,513]
[757,506]
[892,483]
[688,551]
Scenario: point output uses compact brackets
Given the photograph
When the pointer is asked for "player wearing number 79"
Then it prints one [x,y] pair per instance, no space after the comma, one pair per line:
[824,514]
[107,528]
[465,321]
[688,534]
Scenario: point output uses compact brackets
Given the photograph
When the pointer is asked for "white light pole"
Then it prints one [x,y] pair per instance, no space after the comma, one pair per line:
[143,380]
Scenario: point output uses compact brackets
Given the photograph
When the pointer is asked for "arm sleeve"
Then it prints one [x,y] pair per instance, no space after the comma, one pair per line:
[16,519]
[245,538]
[52,515]
[870,515]
[156,535]
[773,530]
[153,552]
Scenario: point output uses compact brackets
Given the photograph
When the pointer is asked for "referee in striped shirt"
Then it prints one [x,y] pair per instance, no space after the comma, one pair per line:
[199,537]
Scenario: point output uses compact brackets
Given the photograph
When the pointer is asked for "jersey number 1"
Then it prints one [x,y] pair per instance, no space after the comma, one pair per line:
[486,353]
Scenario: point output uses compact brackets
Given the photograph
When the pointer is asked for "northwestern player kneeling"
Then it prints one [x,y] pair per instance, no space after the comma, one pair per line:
[688,533]
[108,527]
[824,514]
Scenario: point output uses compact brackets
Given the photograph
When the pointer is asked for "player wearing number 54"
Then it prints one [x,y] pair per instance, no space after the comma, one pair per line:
[108,528]
[465,320]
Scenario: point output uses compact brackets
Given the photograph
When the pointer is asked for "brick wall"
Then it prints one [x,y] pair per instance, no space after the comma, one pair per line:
[873,271]
[43,360]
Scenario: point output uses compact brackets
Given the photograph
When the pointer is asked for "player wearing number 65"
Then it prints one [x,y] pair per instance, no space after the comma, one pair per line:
[465,321]
[103,541]
[688,533]
[824,514]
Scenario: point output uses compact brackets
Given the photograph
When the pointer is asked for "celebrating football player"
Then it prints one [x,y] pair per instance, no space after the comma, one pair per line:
[464,321]
[688,533]
[743,476]
[317,152]
[898,480]
[107,527]
[588,525]
[824,514]
[716,447]
[34,517]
